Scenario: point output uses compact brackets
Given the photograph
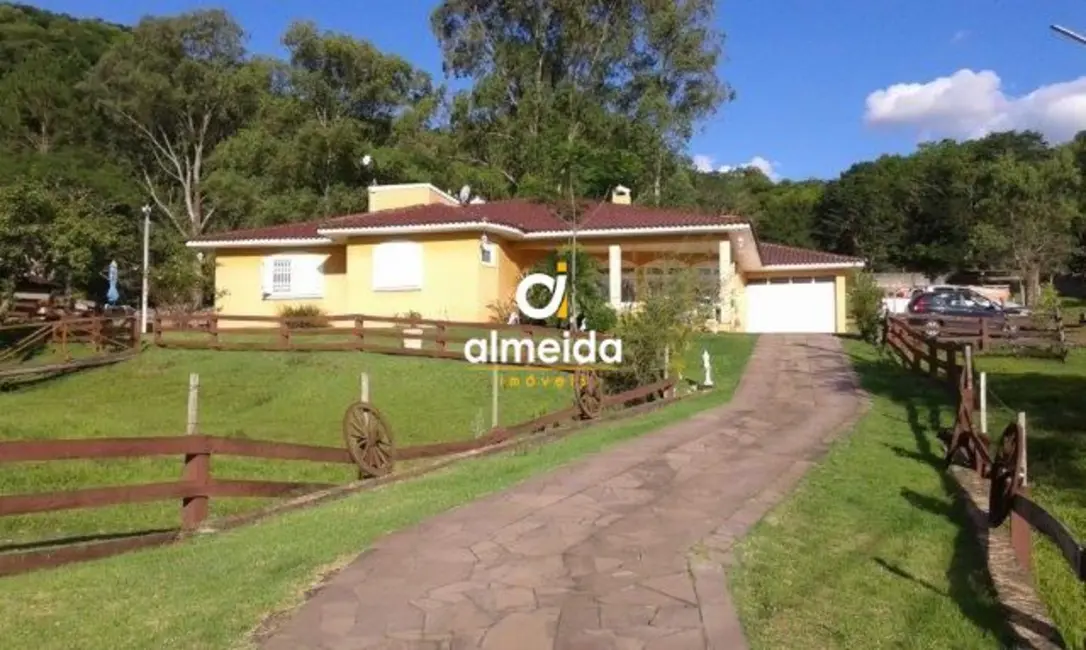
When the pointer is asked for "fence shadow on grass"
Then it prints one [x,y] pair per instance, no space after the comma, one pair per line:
[80,539]
[969,585]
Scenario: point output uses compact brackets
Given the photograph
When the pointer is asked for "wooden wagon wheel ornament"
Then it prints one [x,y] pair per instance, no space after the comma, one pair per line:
[1004,477]
[588,393]
[369,439]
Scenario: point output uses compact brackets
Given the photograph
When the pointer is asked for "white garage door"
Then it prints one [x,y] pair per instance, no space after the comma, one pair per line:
[795,304]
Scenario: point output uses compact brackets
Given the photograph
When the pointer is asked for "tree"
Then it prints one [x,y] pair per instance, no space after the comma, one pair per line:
[675,84]
[1028,210]
[176,88]
[865,212]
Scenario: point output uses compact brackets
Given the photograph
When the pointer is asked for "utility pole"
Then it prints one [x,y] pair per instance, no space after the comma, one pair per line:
[146,267]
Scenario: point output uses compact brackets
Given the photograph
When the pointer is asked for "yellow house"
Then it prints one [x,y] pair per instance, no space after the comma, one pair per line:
[418,249]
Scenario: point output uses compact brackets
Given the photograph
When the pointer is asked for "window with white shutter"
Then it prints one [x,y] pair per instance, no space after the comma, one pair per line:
[293,276]
[397,266]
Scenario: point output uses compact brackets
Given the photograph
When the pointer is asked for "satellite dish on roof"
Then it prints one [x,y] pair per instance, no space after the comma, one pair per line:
[465,193]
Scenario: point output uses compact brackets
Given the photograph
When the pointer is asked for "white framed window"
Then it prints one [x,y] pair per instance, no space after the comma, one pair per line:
[287,276]
[397,266]
[487,254]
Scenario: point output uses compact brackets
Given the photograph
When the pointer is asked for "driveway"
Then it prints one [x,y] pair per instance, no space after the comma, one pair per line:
[625,549]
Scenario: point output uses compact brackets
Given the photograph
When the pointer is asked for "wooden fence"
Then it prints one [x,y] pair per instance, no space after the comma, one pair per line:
[379,334]
[72,342]
[197,485]
[1005,470]
[1046,333]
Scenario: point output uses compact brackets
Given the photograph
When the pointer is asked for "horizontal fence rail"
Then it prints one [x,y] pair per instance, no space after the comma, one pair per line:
[98,340]
[417,337]
[950,363]
[196,484]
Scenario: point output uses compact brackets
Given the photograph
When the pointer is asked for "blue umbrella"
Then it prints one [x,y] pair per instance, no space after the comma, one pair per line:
[112,295]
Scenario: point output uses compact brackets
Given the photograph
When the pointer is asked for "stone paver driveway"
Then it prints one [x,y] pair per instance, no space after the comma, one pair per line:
[623,550]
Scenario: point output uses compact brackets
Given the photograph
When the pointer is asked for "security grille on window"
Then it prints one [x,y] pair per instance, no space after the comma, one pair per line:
[281,276]
[293,276]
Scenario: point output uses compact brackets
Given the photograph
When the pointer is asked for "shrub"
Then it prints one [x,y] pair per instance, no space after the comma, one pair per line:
[667,319]
[865,306]
[501,310]
[303,316]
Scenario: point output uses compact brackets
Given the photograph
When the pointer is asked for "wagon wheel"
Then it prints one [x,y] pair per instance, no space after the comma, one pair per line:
[588,393]
[1004,478]
[369,439]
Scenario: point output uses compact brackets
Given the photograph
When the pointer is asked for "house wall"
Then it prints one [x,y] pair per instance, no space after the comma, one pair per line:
[238,282]
[839,289]
[456,285]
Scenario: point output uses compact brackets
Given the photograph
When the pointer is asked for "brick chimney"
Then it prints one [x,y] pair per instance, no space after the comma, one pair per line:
[620,195]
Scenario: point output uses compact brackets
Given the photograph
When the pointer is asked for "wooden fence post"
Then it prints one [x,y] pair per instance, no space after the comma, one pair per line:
[213,329]
[984,334]
[96,334]
[495,382]
[933,359]
[192,415]
[358,332]
[1021,533]
[983,403]
[284,333]
[197,469]
[134,332]
[442,342]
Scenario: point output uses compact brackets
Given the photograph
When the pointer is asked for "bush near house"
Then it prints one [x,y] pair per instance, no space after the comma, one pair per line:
[304,316]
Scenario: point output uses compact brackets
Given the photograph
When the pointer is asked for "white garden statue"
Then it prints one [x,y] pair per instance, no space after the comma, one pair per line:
[708,368]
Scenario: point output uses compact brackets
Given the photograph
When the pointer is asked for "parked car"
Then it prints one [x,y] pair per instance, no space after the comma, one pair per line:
[931,309]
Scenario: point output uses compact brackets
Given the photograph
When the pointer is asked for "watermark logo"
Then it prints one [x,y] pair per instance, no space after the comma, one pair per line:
[586,349]
[556,285]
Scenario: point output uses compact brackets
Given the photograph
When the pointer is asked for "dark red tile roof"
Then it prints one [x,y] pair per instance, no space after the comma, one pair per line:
[522,215]
[780,255]
[608,216]
[304,230]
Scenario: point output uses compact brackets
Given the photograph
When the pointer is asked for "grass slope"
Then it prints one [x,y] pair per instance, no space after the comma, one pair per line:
[210,592]
[871,551]
[284,396]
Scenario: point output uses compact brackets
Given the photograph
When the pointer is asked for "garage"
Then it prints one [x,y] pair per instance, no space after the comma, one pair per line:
[791,305]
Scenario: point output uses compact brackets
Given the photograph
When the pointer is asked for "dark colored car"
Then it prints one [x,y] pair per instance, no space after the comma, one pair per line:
[930,310]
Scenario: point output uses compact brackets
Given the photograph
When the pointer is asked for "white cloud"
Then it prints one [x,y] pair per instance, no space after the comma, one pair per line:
[960,36]
[970,104]
[705,163]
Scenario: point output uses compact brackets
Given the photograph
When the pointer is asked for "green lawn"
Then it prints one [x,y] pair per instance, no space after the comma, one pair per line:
[871,551]
[210,592]
[284,396]
[1051,393]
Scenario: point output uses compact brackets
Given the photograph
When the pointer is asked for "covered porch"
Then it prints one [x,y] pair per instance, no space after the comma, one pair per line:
[717,258]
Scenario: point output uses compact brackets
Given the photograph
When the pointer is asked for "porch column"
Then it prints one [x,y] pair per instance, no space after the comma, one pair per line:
[725,270]
[614,274]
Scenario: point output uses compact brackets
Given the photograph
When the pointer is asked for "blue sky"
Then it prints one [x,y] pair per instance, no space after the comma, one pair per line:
[803,70]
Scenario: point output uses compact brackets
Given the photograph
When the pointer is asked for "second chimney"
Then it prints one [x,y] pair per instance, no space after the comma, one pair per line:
[620,195]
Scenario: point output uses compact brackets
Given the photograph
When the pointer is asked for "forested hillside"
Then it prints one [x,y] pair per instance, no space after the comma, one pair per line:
[562,98]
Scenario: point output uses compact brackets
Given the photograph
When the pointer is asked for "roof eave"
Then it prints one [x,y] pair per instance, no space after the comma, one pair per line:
[634,232]
[810,267]
[286,242]
[465,226]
